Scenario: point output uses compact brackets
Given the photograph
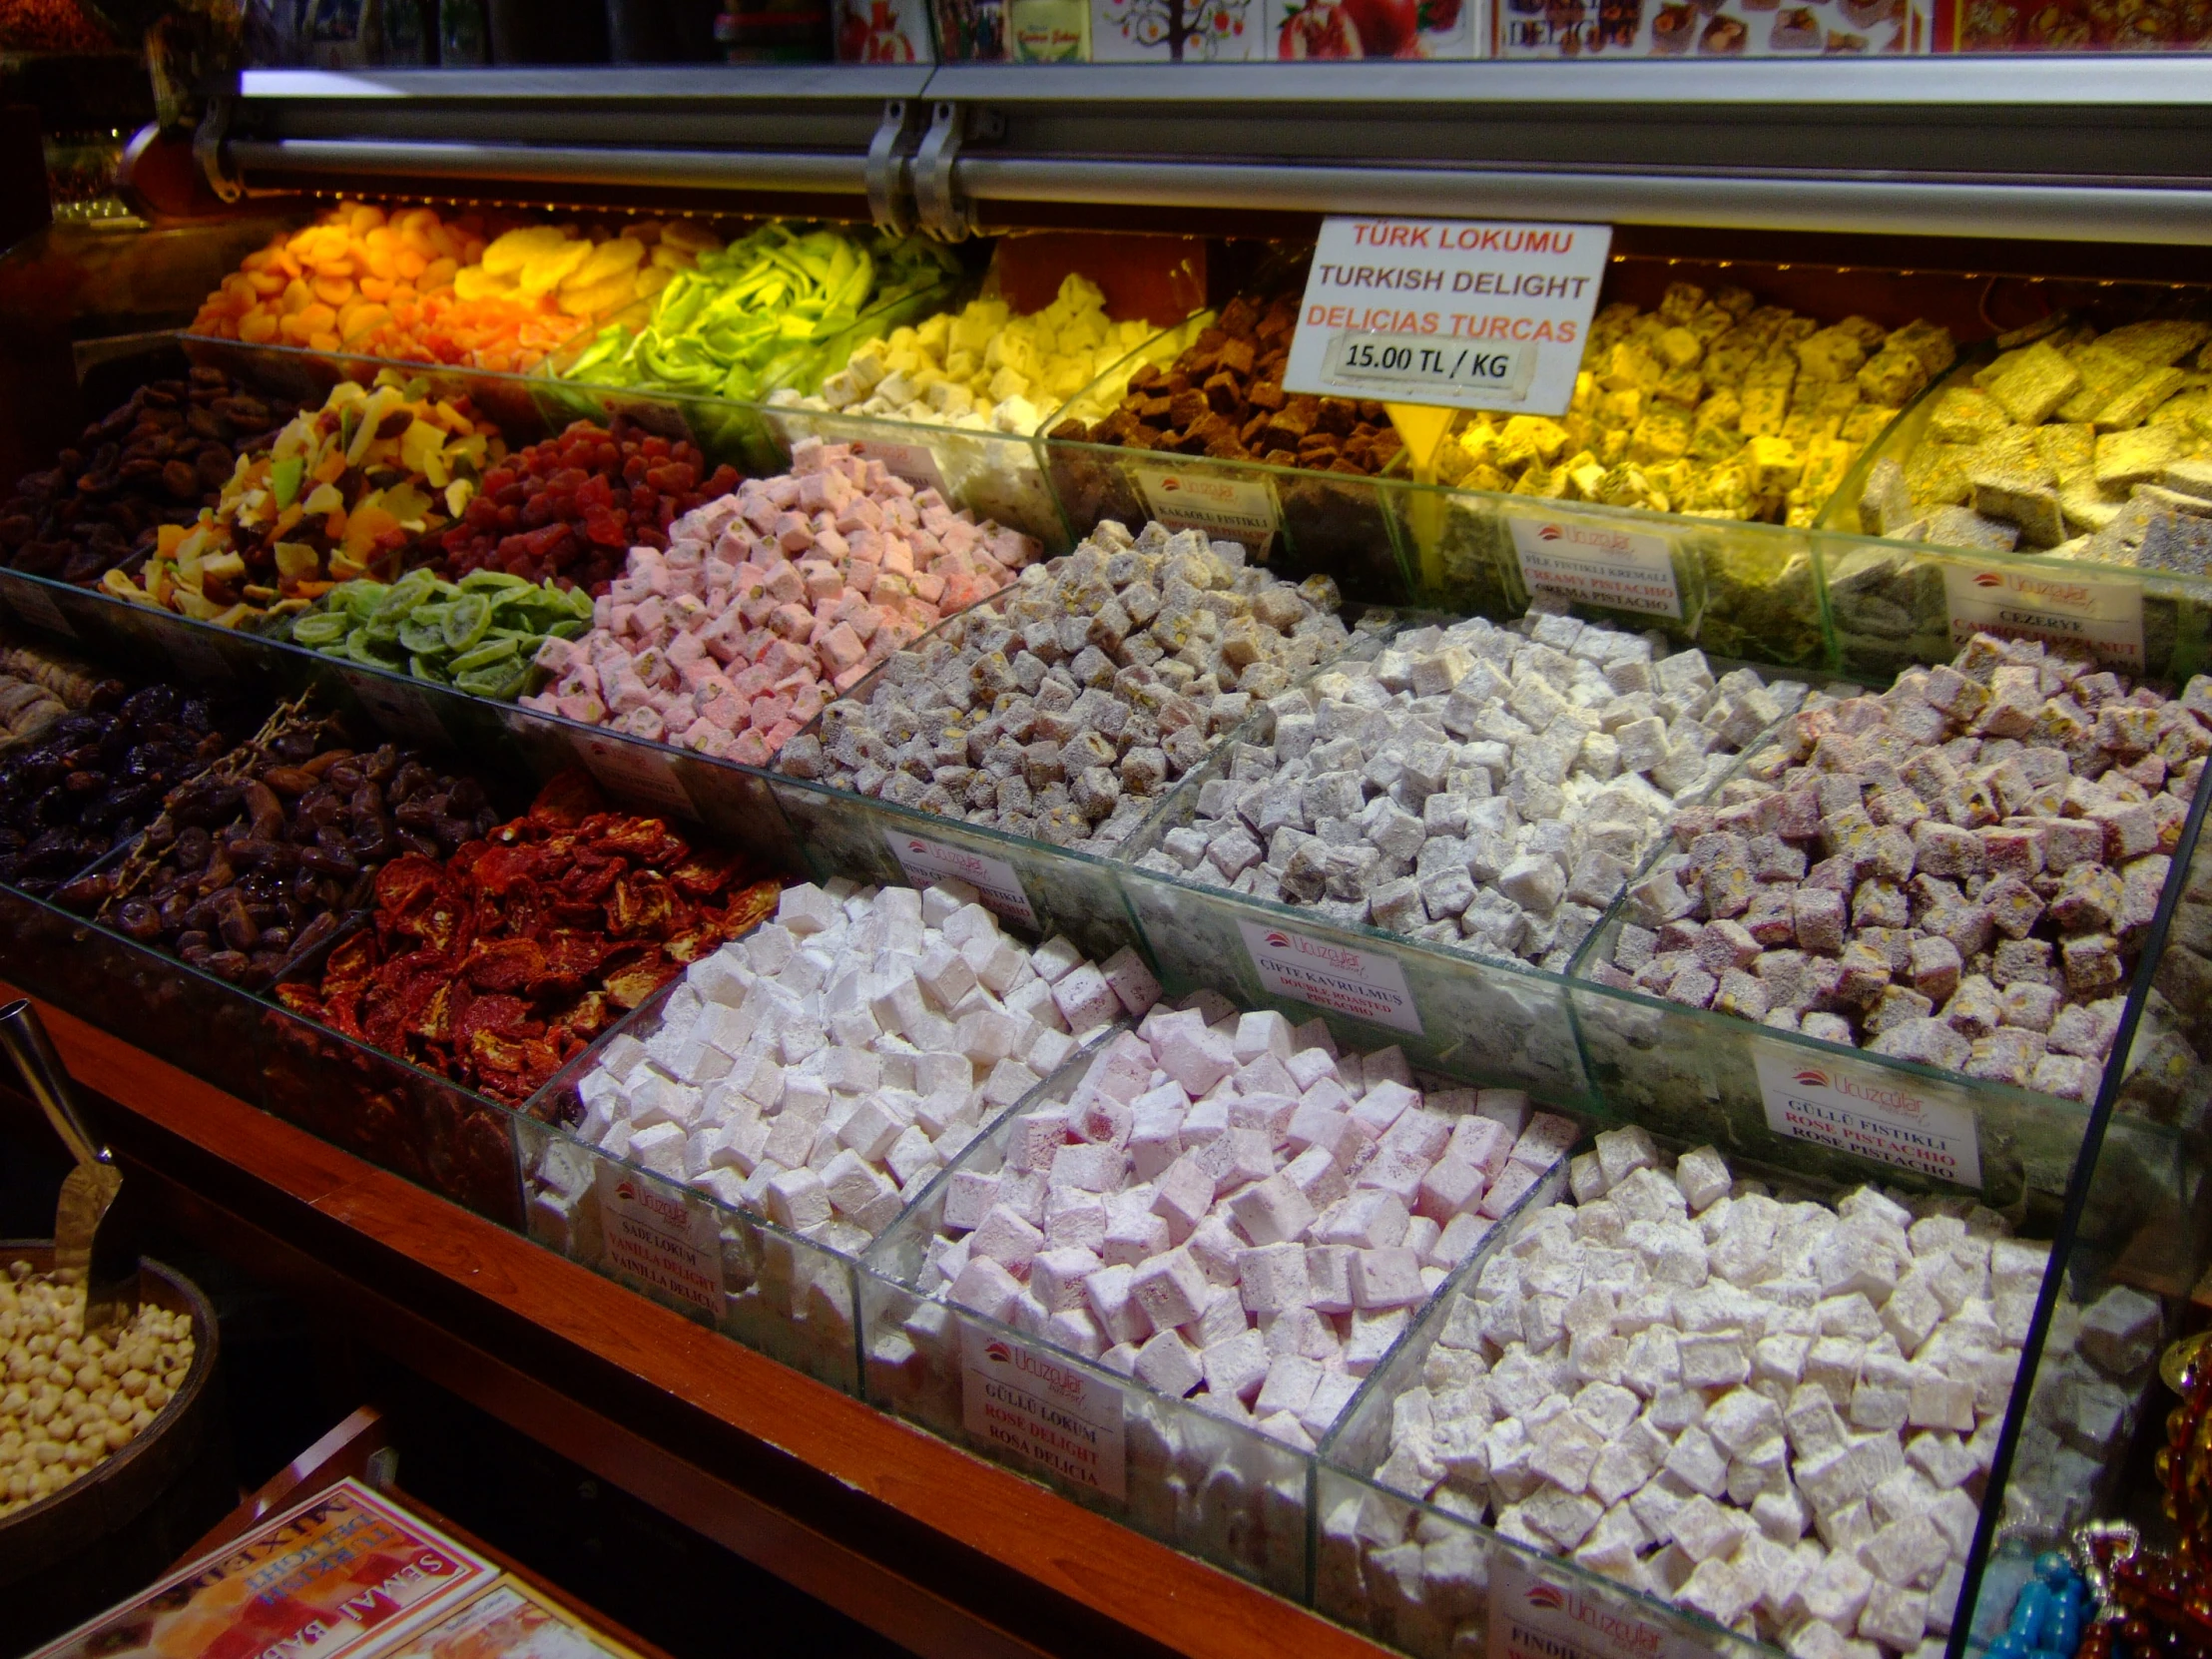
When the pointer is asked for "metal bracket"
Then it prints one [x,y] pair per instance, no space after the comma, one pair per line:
[889,154]
[383,1469]
[942,210]
[206,148]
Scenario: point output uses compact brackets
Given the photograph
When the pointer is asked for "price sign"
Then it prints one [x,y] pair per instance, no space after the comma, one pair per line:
[1470,314]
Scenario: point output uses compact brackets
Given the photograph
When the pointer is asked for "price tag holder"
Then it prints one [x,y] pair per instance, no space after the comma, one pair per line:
[1366,984]
[2014,602]
[1467,314]
[30,601]
[1587,564]
[1242,508]
[997,882]
[635,772]
[1890,1116]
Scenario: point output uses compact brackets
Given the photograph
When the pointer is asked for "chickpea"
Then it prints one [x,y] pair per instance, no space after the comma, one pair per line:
[69,1400]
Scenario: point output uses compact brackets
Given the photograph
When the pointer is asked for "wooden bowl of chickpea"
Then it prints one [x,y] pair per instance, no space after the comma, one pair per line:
[93,1432]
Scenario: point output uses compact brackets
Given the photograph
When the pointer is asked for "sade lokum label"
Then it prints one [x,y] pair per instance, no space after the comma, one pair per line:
[1596,564]
[997,888]
[2104,618]
[663,1239]
[630,769]
[1533,1618]
[1043,1410]
[1367,984]
[1886,1115]
[36,606]
[1465,314]
[1239,509]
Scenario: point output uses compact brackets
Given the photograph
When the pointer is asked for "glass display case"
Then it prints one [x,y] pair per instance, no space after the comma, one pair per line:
[1879,203]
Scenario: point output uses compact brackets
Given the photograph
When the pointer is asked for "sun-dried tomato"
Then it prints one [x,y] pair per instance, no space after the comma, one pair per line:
[498,965]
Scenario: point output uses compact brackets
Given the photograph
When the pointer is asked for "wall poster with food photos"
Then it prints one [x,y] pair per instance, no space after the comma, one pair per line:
[1709,28]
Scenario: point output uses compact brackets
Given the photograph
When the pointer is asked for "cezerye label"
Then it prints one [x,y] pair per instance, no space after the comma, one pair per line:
[1868,1111]
[1367,984]
[2104,618]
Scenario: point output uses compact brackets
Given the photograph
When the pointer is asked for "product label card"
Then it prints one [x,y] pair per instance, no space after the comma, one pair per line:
[2104,618]
[35,605]
[1043,1410]
[1870,1110]
[338,1576]
[997,888]
[1367,984]
[193,655]
[1593,564]
[1241,509]
[636,771]
[402,705]
[1532,1617]
[1470,314]
[663,1238]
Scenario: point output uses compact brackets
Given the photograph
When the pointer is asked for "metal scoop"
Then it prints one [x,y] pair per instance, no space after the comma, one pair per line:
[88,1191]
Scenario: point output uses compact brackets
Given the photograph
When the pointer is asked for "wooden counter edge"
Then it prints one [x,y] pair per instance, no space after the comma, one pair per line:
[1131,1581]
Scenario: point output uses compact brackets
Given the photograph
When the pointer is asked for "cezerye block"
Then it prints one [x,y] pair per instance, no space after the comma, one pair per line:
[1257,1253]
